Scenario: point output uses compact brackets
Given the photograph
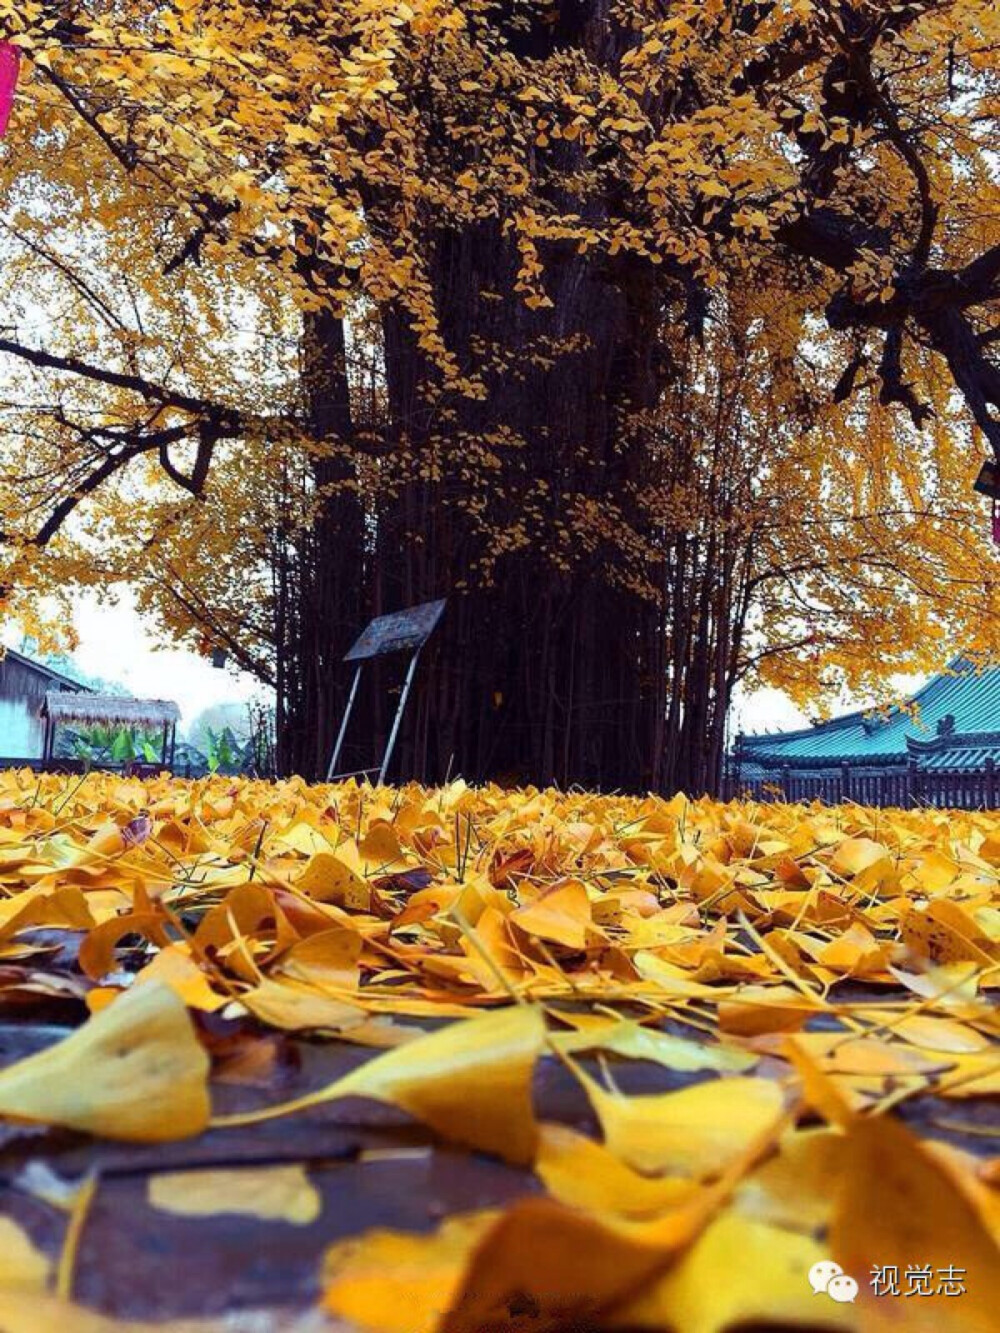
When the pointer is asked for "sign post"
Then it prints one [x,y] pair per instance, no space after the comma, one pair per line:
[401,631]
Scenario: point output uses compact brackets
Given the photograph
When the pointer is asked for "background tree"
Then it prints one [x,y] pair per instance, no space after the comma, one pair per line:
[638,328]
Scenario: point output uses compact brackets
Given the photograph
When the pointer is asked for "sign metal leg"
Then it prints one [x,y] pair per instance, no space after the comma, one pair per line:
[391,743]
[343,726]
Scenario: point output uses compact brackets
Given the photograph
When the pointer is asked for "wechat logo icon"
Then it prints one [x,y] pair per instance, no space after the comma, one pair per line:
[829,1278]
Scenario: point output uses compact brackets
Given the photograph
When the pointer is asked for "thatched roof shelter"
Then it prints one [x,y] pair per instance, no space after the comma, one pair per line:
[111,710]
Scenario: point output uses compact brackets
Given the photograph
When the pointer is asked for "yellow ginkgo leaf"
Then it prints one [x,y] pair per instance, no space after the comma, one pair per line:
[394,1282]
[271,1193]
[471,1082]
[952,985]
[135,1070]
[695,1131]
[931,1033]
[793,1188]
[329,878]
[865,863]
[740,1271]
[175,967]
[584,1174]
[632,1040]
[296,1008]
[564,1268]
[561,915]
[976,1075]
[898,1206]
[944,933]
[22,1264]
[328,958]
[855,953]
[755,1009]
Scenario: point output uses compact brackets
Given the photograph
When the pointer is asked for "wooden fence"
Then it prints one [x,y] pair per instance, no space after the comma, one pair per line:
[951,789]
[130,768]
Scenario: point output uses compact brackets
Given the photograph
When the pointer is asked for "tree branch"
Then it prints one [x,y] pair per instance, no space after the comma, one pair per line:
[228,420]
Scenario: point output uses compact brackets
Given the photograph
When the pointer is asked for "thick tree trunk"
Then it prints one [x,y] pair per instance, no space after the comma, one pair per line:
[324,573]
[567,654]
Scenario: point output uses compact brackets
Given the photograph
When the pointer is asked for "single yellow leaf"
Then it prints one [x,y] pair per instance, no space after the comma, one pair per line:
[944,933]
[22,1264]
[899,1206]
[296,1008]
[330,879]
[394,1282]
[584,1174]
[634,1041]
[755,1009]
[135,1070]
[328,958]
[271,1193]
[794,1187]
[739,1271]
[471,1082]
[861,859]
[561,915]
[695,1131]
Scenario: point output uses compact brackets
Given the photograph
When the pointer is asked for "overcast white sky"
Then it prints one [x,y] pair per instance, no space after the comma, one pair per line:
[117,645]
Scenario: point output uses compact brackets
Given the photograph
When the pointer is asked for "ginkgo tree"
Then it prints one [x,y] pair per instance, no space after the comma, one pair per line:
[662,338]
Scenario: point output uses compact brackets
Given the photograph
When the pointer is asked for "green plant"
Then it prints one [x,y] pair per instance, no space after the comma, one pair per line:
[222,750]
[100,743]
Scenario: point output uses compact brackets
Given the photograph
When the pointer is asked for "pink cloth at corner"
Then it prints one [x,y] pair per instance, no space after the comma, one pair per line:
[10,67]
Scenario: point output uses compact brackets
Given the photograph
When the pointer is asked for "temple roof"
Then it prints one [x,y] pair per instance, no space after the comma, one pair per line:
[955,714]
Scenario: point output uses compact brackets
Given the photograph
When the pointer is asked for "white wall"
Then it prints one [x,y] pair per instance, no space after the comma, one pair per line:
[21,733]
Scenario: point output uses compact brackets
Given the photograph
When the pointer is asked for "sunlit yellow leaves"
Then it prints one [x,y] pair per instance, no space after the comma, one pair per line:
[134,1071]
[497,935]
